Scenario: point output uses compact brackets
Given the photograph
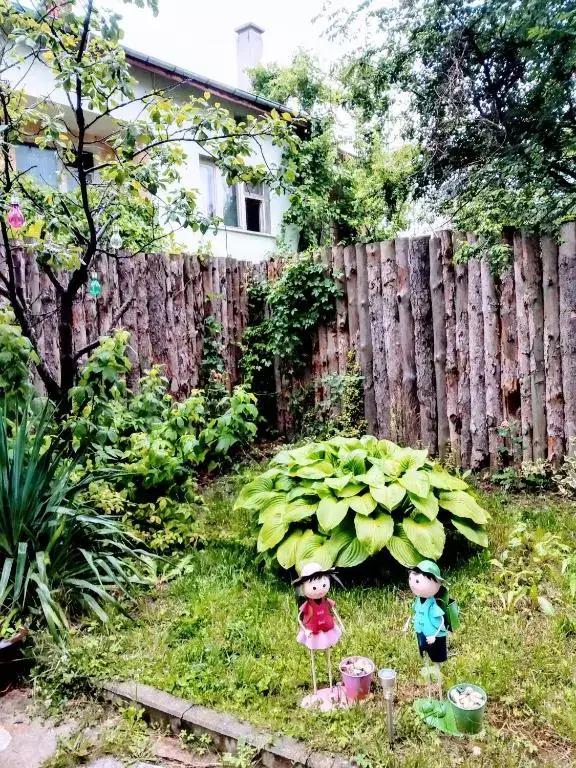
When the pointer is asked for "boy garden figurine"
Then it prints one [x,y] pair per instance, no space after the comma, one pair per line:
[434,614]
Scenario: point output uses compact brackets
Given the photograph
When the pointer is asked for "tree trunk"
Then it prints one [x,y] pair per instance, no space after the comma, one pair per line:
[552,353]
[420,299]
[366,355]
[391,335]
[523,350]
[567,282]
[535,310]
[381,393]
[463,352]
[439,325]
[478,430]
[342,340]
[493,373]
[451,368]
[410,405]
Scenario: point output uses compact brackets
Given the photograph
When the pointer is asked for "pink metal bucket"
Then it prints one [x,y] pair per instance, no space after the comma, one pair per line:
[357,674]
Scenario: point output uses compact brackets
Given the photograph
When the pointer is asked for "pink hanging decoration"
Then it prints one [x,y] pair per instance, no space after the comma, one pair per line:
[15,216]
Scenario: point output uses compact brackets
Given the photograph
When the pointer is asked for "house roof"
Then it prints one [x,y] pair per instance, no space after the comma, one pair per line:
[185,76]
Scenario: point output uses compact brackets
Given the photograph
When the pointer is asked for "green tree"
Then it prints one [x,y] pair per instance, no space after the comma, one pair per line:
[134,182]
[336,196]
[491,92]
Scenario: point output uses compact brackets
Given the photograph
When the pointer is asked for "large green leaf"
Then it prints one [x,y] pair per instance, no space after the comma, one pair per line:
[462,504]
[427,536]
[314,549]
[375,478]
[427,507]
[404,551]
[256,494]
[355,461]
[352,489]
[443,480]
[374,532]
[364,504]
[272,532]
[316,471]
[390,496]
[331,511]
[416,481]
[299,510]
[474,533]
[412,459]
[287,551]
[352,555]
[338,483]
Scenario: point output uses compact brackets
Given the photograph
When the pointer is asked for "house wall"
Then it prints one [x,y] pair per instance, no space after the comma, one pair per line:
[227,241]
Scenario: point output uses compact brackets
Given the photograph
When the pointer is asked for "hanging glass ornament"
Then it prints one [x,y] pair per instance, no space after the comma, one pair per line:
[116,240]
[15,216]
[94,287]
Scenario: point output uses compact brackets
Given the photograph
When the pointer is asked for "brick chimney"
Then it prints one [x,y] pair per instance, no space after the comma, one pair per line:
[249,47]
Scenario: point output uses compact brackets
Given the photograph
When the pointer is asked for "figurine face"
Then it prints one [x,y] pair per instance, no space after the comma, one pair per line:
[423,585]
[315,589]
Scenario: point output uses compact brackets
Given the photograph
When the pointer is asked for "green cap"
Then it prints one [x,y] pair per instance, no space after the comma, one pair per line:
[431,568]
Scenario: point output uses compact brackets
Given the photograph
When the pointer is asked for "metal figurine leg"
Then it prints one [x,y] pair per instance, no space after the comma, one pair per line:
[313,671]
[439,680]
[329,661]
[428,679]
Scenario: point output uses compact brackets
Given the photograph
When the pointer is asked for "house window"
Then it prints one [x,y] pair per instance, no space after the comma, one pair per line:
[41,165]
[71,174]
[244,206]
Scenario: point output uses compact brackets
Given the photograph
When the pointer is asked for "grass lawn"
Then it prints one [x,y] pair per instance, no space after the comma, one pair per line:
[224,635]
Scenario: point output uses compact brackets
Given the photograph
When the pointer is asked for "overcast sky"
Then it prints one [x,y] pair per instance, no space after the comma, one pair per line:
[200,35]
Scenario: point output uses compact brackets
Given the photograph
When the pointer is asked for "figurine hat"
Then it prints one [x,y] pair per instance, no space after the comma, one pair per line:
[430,568]
[314,571]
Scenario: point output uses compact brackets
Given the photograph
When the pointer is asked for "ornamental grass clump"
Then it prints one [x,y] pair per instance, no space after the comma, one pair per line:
[340,501]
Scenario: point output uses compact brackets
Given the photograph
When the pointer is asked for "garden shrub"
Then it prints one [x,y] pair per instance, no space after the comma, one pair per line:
[340,501]
[16,357]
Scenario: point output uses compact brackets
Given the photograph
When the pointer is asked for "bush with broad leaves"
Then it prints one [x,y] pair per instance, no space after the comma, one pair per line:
[340,501]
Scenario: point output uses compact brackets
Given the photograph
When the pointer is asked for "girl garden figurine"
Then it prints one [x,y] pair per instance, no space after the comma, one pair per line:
[433,615]
[320,626]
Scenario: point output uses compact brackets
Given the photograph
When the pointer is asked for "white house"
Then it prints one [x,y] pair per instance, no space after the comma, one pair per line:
[252,214]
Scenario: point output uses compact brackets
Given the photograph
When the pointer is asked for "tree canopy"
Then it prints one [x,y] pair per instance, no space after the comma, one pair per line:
[491,90]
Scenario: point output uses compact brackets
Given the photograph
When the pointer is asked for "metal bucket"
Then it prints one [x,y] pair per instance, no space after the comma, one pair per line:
[357,687]
[468,720]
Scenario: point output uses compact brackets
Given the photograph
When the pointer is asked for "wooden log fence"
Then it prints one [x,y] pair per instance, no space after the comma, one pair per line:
[448,351]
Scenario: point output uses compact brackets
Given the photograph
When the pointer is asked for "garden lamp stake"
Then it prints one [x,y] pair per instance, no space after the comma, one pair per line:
[388,682]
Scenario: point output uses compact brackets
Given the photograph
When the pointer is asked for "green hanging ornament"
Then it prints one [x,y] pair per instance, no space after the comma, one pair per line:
[94,287]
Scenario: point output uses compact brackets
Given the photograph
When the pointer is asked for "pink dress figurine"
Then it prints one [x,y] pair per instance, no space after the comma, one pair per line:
[320,625]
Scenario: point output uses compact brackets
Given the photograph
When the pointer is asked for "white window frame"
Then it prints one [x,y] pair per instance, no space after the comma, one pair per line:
[264,198]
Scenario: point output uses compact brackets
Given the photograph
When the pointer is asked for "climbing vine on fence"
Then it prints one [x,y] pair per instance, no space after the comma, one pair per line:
[285,314]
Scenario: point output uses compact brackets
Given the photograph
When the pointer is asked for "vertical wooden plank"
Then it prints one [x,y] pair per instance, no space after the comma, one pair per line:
[104,303]
[157,309]
[321,389]
[341,310]
[231,349]
[391,334]
[535,310]
[523,350]
[190,320]
[410,404]
[552,353]
[142,321]
[200,304]
[567,283]
[207,287]
[331,334]
[236,320]
[451,363]
[510,384]
[439,326]
[32,279]
[351,295]
[366,356]
[420,300]
[492,369]
[79,323]
[50,326]
[180,338]
[173,370]
[463,355]
[478,430]
[381,393]
[127,288]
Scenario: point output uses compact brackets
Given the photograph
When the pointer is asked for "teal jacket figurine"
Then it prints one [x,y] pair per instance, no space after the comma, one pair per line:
[429,617]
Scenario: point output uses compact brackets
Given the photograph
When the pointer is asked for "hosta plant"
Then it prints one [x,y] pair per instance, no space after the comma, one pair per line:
[342,500]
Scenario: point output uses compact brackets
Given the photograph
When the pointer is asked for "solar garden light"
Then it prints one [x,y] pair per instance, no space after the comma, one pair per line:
[388,681]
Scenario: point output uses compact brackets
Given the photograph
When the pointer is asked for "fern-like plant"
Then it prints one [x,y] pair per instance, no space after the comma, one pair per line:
[342,500]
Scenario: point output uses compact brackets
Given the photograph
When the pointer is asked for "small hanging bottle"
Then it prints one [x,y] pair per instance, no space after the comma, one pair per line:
[94,287]
[15,215]
[116,240]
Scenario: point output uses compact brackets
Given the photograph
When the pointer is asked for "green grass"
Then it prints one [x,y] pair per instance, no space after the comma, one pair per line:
[224,636]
